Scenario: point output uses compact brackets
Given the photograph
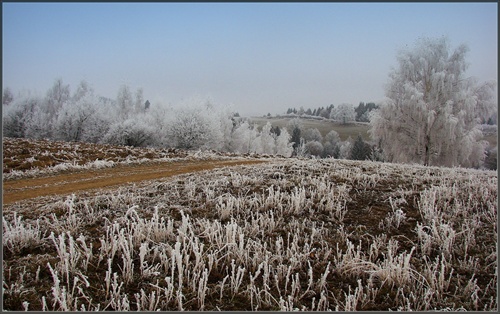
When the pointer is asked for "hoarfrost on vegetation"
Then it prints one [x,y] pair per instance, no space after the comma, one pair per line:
[285,235]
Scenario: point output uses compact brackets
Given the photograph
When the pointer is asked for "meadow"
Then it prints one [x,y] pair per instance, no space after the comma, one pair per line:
[323,125]
[286,234]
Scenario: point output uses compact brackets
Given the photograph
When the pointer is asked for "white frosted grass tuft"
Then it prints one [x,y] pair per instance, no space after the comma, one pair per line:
[18,235]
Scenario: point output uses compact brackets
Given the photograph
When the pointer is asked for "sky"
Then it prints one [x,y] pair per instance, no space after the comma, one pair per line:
[258,58]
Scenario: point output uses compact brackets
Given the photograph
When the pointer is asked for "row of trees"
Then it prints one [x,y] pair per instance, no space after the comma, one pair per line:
[310,142]
[128,120]
[343,112]
[319,112]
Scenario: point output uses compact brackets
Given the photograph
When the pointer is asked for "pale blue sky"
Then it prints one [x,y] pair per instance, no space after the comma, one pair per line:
[259,57]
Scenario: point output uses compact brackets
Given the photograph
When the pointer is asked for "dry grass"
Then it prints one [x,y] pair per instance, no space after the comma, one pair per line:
[285,235]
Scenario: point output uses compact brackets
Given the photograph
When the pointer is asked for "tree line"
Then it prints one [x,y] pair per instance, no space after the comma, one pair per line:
[129,119]
[82,116]
[344,112]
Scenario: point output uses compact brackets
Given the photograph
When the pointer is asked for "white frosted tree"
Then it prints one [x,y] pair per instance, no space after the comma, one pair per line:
[190,129]
[7,96]
[130,132]
[314,148]
[345,149]
[161,117]
[17,117]
[283,145]
[56,97]
[244,138]
[267,140]
[331,144]
[217,123]
[344,113]
[75,117]
[139,101]
[124,101]
[432,110]
[312,134]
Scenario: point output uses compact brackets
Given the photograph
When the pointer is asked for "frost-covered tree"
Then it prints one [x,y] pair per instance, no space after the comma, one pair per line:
[300,150]
[432,110]
[363,111]
[139,101]
[124,102]
[40,125]
[314,148]
[130,132]
[56,97]
[331,144]
[197,126]
[161,117]
[75,120]
[223,120]
[312,134]
[244,138]
[345,148]
[17,117]
[324,113]
[283,145]
[82,90]
[344,113]
[7,96]
[189,129]
[268,140]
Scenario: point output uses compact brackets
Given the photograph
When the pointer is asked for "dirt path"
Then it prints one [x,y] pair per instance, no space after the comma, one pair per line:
[23,189]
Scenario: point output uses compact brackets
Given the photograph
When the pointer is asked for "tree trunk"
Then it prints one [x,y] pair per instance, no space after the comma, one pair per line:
[427,154]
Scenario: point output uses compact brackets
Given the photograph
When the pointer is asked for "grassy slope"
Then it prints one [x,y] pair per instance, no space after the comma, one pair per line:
[290,234]
[324,126]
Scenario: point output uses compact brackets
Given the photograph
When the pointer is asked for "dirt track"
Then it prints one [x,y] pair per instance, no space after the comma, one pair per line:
[23,189]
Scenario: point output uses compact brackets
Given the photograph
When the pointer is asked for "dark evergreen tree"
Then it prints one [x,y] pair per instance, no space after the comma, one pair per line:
[295,137]
[360,109]
[276,130]
[360,149]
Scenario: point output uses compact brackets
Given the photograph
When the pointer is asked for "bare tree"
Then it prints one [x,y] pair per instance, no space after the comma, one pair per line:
[56,97]
[344,113]
[7,96]
[431,112]
[124,101]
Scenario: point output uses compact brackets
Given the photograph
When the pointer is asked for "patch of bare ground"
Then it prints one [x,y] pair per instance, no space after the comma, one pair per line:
[27,154]
[67,183]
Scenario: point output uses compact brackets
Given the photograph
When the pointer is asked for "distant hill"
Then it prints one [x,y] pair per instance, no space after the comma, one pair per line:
[323,125]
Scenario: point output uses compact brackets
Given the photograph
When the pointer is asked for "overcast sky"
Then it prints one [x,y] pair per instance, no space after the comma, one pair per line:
[258,57]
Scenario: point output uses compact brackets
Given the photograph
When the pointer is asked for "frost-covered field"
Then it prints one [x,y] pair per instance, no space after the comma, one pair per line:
[285,235]
[26,158]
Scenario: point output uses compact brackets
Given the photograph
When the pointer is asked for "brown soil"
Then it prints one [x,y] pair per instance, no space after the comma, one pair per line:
[22,189]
